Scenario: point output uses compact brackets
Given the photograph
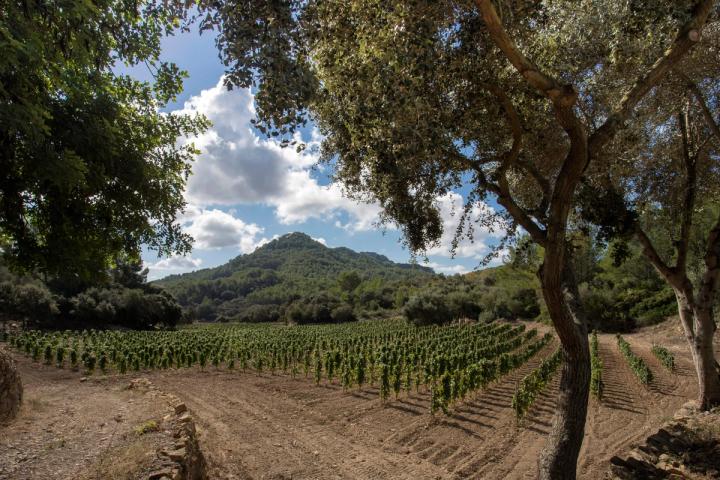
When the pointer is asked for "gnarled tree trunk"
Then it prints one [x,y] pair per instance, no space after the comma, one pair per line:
[558,460]
[699,329]
[709,381]
[11,389]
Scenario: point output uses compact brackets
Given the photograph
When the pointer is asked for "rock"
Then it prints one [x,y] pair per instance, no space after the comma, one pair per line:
[162,474]
[177,455]
[180,408]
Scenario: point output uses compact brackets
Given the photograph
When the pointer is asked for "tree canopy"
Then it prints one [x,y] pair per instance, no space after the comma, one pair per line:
[511,100]
[91,168]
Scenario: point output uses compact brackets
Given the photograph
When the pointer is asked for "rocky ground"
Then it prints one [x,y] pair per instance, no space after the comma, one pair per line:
[688,447]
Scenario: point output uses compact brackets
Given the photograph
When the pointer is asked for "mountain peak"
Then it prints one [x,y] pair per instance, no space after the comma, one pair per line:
[294,240]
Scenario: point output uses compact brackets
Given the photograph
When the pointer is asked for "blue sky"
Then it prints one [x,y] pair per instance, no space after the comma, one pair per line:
[245,190]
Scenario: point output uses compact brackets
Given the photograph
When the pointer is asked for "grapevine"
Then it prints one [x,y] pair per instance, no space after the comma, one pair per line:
[637,364]
[665,357]
[596,368]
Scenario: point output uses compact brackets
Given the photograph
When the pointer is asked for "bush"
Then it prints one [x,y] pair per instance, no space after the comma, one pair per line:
[343,313]
[462,305]
[134,308]
[427,309]
[260,314]
[31,302]
[311,309]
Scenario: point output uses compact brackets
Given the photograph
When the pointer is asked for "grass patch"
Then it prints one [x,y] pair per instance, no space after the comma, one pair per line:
[147,427]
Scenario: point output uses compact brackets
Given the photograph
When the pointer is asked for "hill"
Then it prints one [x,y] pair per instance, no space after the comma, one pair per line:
[292,269]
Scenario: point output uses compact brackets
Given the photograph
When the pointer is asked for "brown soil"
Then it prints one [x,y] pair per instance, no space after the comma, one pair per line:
[276,427]
[76,429]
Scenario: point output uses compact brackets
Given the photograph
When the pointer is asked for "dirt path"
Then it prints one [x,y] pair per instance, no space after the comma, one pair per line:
[72,429]
[277,427]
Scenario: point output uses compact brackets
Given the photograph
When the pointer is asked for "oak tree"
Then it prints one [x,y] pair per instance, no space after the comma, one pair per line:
[89,166]
[511,101]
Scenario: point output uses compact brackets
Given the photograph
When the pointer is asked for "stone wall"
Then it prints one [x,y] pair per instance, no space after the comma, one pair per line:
[179,457]
[687,447]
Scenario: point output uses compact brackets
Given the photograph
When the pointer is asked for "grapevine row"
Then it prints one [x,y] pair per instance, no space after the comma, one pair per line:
[636,363]
[596,368]
[534,383]
[665,357]
[394,355]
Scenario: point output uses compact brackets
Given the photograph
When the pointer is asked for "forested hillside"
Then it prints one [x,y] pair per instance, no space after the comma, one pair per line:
[293,269]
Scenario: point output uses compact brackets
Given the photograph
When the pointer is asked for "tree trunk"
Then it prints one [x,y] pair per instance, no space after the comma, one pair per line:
[699,329]
[704,359]
[558,460]
[11,389]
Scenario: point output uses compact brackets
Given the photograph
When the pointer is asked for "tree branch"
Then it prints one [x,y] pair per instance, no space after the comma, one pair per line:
[667,272]
[561,95]
[689,201]
[686,38]
[502,192]
[542,182]
[695,90]
[708,284]
[513,120]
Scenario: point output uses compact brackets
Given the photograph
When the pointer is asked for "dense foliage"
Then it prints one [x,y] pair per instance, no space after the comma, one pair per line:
[126,300]
[450,361]
[295,278]
[90,167]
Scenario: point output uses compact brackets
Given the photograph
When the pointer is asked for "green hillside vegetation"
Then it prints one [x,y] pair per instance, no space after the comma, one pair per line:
[299,279]
[296,279]
[122,299]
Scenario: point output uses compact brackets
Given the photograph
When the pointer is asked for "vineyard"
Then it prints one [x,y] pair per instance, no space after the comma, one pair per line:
[449,362]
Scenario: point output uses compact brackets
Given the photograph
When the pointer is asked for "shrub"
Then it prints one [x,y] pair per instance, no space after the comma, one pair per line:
[343,313]
[260,314]
[427,309]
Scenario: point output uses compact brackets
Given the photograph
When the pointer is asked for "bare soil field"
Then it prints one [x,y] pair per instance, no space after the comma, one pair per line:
[276,427]
[69,428]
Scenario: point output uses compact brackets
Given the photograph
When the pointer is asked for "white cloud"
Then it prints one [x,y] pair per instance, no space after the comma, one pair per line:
[174,264]
[451,209]
[320,240]
[448,269]
[236,166]
[214,229]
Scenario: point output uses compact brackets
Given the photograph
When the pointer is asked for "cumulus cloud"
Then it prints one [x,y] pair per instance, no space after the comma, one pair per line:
[451,209]
[236,166]
[448,269]
[214,229]
[174,264]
